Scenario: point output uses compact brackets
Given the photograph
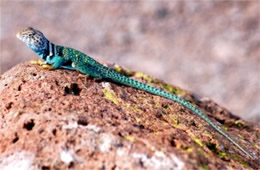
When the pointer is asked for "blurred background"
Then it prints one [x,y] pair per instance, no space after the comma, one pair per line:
[211,48]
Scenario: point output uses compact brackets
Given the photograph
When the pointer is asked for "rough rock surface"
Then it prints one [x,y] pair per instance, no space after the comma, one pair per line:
[60,119]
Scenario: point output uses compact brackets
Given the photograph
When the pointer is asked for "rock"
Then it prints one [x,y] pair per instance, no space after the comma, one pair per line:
[60,119]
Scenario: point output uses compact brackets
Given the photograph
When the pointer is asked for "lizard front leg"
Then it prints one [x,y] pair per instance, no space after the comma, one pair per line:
[56,60]
[42,63]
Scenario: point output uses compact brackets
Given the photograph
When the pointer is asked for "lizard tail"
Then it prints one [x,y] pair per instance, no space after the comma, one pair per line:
[116,77]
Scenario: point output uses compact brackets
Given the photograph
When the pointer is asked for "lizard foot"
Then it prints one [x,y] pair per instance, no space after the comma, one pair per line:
[47,67]
[86,76]
[38,62]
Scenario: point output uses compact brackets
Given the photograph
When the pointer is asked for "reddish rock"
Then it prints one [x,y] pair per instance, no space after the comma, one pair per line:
[60,119]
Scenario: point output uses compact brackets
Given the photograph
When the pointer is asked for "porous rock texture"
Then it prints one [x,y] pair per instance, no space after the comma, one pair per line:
[60,119]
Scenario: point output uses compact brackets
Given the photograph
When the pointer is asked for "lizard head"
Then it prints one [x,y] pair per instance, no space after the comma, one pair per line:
[34,39]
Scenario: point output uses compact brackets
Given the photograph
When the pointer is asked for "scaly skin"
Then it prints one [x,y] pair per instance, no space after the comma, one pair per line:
[55,56]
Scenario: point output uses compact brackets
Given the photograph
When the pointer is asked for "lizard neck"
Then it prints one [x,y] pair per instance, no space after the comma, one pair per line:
[47,52]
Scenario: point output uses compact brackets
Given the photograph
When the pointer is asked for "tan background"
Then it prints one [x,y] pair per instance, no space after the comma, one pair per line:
[208,47]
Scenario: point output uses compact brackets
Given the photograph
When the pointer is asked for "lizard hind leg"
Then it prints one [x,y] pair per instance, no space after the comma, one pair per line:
[96,77]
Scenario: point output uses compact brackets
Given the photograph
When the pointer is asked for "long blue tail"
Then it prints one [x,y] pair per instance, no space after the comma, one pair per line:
[116,77]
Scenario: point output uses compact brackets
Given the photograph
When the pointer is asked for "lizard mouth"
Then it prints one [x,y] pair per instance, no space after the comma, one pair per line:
[28,40]
[21,37]
[18,35]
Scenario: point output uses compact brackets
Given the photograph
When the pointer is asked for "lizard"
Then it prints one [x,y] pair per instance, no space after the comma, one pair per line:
[56,56]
